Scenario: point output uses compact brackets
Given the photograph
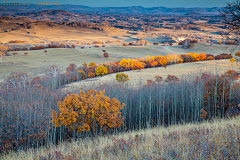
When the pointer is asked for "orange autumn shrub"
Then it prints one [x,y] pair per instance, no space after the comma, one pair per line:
[179,60]
[91,74]
[16,41]
[210,58]
[123,62]
[237,54]
[92,64]
[162,61]
[158,57]
[194,56]
[135,64]
[202,56]
[88,111]
[153,63]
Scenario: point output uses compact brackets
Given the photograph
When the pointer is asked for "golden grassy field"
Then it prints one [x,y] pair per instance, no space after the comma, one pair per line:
[61,33]
[209,140]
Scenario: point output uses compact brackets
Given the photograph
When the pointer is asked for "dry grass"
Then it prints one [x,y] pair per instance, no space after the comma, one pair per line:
[209,140]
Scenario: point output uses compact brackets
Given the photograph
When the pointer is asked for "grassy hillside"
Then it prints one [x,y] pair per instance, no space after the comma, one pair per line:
[218,139]
[36,62]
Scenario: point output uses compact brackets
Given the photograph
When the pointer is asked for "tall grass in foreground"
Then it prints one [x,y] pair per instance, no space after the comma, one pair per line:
[218,139]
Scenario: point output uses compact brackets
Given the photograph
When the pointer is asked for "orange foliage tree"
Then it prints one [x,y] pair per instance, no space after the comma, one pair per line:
[88,111]
[92,64]
[202,56]
[153,63]
[162,61]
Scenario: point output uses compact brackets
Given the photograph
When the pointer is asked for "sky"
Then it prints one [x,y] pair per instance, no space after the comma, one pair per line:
[145,3]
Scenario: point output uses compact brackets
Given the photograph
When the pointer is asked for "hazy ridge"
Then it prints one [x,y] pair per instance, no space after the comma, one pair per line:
[17,9]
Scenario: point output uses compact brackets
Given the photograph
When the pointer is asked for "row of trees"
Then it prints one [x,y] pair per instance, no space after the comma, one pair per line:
[41,47]
[74,73]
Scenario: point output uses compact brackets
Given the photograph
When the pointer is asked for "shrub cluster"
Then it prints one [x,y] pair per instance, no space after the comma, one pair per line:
[16,41]
[230,43]
[42,47]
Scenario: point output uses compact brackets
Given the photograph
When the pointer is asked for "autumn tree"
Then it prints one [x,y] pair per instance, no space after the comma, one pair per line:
[88,111]
[101,70]
[73,46]
[121,77]
[92,64]
[237,54]
[105,54]
[162,61]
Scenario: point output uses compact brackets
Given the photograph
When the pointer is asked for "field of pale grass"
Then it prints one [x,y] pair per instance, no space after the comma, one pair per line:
[36,62]
[218,139]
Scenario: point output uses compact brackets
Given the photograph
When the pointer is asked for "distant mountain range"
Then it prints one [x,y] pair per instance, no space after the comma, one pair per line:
[6,10]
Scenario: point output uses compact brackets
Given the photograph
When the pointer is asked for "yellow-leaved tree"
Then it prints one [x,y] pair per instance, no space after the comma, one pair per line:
[88,111]
[101,70]
[121,77]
